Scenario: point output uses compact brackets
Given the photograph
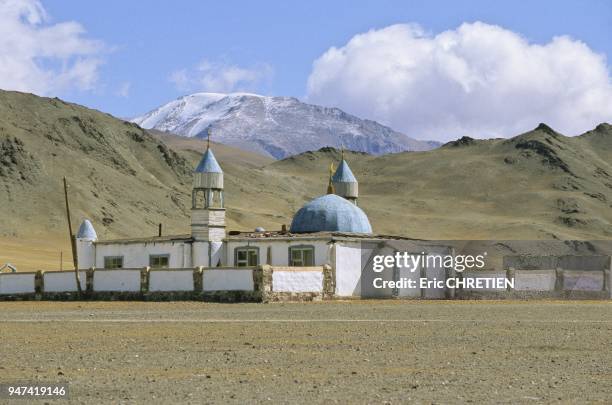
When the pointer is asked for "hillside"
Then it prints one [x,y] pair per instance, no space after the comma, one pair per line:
[538,185]
[274,126]
[121,177]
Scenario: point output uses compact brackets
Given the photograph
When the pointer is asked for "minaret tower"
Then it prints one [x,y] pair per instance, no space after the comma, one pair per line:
[344,182]
[207,207]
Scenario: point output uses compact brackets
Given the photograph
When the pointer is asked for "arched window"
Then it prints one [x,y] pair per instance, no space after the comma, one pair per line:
[198,199]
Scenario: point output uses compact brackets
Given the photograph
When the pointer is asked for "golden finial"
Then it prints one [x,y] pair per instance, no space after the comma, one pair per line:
[330,185]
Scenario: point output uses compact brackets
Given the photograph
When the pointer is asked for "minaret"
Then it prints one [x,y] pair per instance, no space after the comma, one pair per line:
[85,243]
[344,182]
[207,207]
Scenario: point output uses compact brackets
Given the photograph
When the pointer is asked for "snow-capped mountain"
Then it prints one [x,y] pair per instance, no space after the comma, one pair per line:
[275,126]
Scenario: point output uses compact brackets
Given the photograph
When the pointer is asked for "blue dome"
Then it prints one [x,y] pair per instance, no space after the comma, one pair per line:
[344,174]
[330,213]
[87,231]
[208,164]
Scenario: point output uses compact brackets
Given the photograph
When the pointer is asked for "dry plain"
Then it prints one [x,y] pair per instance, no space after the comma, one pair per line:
[344,352]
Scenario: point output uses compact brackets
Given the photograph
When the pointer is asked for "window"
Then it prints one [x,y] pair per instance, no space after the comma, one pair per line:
[301,256]
[159,261]
[113,262]
[247,256]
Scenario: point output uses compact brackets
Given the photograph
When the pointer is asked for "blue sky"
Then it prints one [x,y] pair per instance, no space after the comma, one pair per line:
[145,43]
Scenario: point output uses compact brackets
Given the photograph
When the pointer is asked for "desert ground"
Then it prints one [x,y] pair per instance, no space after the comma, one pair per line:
[333,352]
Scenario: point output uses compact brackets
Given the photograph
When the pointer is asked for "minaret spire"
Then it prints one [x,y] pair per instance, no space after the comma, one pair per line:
[344,181]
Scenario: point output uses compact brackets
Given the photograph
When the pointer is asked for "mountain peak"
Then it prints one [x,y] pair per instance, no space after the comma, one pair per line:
[603,127]
[545,128]
[274,126]
[463,141]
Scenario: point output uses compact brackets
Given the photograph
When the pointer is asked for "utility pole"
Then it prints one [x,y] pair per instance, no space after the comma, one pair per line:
[75,260]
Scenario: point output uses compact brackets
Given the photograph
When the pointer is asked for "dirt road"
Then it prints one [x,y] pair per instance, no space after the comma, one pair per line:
[357,352]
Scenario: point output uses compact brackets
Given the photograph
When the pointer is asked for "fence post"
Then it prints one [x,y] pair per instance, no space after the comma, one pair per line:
[144,280]
[198,279]
[39,282]
[89,277]
[510,274]
[329,284]
[559,279]
[449,272]
[265,286]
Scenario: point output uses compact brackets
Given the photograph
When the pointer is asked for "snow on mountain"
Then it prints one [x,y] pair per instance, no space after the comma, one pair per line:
[274,126]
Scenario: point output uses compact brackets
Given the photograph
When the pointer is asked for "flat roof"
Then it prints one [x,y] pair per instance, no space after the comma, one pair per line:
[265,235]
[280,235]
[150,239]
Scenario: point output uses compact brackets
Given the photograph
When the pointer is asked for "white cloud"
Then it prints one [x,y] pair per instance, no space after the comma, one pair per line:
[44,58]
[478,80]
[124,90]
[221,77]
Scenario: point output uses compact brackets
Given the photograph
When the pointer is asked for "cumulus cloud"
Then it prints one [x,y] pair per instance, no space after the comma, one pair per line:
[221,77]
[478,80]
[43,57]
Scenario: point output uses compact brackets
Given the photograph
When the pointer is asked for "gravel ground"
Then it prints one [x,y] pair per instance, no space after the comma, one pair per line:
[346,352]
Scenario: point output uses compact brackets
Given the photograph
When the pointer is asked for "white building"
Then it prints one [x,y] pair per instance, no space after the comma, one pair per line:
[329,230]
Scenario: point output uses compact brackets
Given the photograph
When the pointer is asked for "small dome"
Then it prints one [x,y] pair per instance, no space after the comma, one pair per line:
[208,164]
[330,213]
[87,231]
[259,229]
[344,174]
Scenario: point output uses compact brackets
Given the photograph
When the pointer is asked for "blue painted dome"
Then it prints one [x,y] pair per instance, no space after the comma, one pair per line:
[208,164]
[87,231]
[344,174]
[330,213]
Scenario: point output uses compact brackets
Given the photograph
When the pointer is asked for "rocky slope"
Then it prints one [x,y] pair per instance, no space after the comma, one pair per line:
[538,185]
[275,126]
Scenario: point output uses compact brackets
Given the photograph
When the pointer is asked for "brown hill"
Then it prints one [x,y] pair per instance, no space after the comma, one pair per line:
[538,185]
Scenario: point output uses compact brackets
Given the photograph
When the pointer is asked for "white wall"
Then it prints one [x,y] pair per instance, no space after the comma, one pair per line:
[187,255]
[438,273]
[63,281]
[117,280]
[280,250]
[410,275]
[17,283]
[535,280]
[298,279]
[86,253]
[199,252]
[137,254]
[228,280]
[171,280]
[216,254]
[348,268]
[369,286]
[583,280]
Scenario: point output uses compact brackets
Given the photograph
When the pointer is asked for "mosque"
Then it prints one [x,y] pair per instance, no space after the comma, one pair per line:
[327,230]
